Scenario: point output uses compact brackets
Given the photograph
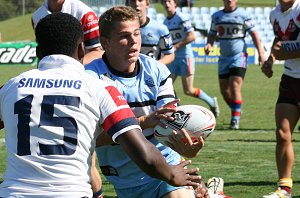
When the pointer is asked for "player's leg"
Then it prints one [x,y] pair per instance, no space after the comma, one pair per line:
[179,193]
[287,114]
[187,71]
[237,71]
[96,181]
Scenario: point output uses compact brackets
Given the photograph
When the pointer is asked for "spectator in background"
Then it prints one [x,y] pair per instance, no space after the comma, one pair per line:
[52,117]
[183,35]
[156,38]
[230,25]
[84,14]
[285,21]
[147,86]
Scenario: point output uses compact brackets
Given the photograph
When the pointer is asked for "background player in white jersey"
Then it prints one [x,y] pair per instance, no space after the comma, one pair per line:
[52,117]
[183,35]
[146,85]
[84,14]
[231,25]
[286,46]
[156,38]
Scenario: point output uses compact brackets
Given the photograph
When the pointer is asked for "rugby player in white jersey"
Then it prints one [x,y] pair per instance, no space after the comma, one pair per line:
[52,116]
[147,87]
[286,46]
[84,14]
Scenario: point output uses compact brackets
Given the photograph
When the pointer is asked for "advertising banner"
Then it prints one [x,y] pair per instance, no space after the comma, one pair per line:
[213,57]
[18,53]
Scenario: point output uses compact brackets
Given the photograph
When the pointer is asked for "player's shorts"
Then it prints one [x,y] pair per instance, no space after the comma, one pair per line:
[233,66]
[156,188]
[182,66]
[289,90]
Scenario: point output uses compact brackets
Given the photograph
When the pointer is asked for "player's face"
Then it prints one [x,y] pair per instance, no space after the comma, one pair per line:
[286,4]
[170,6]
[124,44]
[230,4]
[140,6]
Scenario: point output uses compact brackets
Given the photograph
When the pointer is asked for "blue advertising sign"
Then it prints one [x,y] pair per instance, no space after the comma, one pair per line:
[213,57]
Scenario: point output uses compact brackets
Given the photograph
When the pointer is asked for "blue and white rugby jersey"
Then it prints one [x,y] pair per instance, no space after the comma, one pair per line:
[156,39]
[179,25]
[52,117]
[147,89]
[231,28]
[286,27]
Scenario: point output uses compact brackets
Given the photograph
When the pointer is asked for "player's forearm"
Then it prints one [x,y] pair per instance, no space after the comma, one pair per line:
[167,59]
[145,155]
[258,44]
[190,38]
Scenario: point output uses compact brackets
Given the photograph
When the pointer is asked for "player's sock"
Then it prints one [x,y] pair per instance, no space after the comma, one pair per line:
[98,194]
[199,93]
[286,184]
[236,110]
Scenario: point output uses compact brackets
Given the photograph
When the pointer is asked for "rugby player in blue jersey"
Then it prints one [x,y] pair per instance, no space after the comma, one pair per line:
[183,35]
[231,25]
[147,86]
[156,38]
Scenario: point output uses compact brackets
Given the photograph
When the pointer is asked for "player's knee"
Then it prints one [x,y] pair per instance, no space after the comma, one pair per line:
[283,136]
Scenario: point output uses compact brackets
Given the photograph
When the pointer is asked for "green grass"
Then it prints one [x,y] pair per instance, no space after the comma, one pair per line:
[244,158]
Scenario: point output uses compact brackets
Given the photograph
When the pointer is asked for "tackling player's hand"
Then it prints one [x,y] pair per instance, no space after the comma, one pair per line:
[267,67]
[183,144]
[183,176]
[207,49]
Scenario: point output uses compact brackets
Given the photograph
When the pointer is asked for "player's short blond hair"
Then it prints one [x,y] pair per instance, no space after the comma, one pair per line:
[115,15]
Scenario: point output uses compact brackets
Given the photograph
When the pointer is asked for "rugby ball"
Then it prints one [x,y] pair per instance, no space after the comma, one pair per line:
[197,120]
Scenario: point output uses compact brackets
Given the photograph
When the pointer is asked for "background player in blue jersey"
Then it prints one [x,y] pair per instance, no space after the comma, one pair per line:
[52,117]
[231,25]
[156,38]
[147,86]
[286,46]
[183,35]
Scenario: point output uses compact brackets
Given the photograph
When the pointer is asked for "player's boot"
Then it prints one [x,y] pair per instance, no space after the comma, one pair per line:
[215,187]
[215,109]
[234,125]
[279,193]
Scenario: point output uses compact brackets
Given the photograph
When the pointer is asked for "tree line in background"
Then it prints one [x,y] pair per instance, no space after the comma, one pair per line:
[13,8]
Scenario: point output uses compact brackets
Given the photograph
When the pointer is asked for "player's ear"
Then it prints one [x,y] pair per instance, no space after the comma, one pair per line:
[81,51]
[104,42]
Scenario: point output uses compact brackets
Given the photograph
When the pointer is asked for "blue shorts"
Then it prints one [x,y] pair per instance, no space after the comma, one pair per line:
[233,63]
[155,189]
[182,66]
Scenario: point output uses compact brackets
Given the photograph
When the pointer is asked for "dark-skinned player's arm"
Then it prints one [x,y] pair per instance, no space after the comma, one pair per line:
[151,161]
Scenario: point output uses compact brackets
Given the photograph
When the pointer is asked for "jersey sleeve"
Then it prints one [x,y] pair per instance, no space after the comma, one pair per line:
[118,117]
[165,89]
[90,27]
[165,41]
[213,29]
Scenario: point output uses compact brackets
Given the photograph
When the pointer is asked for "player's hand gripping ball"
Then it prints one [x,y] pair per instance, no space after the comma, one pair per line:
[197,120]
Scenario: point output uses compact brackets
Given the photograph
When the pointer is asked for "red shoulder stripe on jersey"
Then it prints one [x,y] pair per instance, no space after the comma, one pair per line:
[116,96]
[117,117]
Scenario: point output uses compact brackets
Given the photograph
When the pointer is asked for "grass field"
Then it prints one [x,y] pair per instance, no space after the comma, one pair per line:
[244,158]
